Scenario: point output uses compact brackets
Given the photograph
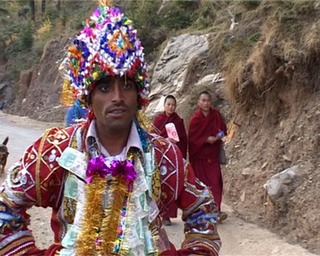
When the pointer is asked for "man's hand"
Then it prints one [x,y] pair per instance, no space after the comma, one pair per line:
[211,139]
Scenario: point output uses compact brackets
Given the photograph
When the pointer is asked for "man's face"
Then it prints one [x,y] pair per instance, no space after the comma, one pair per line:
[114,102]
[204,102]
[170,106]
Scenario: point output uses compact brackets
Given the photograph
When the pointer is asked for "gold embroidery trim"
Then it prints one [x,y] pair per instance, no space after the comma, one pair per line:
[38,183]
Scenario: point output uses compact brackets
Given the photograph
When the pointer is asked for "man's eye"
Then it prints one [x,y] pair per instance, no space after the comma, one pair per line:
[104,88]
[128,85]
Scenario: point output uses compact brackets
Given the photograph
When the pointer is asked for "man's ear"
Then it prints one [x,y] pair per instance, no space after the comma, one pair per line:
[88,100]
[89,107]
[138,103]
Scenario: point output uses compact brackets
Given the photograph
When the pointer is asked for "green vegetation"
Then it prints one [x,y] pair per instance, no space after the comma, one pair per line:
[29,24]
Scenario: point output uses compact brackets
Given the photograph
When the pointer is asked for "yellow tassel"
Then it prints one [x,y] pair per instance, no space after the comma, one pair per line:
[105,2]
[156,184]
[99,223]
[93,211]
[111,220]
[144,121]
[66,97]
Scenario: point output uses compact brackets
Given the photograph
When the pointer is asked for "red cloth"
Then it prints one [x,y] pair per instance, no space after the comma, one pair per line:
[203,156]
[159,124]
[162,119]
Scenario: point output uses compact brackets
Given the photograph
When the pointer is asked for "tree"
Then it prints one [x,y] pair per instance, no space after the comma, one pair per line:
[43,7]
[33,9]
[58,5]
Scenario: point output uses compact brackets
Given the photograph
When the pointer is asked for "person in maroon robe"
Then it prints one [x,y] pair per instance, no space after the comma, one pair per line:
[206,128]
[169,115]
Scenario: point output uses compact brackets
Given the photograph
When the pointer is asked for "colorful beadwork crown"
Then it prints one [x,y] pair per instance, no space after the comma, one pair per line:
[107,46]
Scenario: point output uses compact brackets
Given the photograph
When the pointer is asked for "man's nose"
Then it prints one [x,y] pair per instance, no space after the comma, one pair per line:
[117,92]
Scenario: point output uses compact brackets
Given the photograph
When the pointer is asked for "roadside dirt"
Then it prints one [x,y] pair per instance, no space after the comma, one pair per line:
[238,236]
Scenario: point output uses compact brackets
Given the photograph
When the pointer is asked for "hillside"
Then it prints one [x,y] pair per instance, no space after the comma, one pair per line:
[267,53]
[275,126]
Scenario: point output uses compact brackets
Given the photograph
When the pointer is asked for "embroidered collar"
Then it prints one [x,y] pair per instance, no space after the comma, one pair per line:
[133,141]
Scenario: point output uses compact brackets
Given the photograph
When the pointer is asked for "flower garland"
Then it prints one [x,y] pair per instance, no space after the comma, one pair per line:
[97,166]
[112,181]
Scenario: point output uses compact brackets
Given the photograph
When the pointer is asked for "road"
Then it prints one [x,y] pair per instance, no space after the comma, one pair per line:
[239,238]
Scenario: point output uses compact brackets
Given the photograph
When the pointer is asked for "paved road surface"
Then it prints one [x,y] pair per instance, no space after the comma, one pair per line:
[238,237]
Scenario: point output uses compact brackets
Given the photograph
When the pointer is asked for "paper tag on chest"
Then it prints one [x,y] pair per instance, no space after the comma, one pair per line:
[74,161]
[172,132]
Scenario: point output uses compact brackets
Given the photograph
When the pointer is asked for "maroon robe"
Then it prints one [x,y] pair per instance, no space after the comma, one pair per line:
[203,156]
[162,119]
[159,125]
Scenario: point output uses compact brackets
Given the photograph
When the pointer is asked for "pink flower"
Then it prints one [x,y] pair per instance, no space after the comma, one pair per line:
[98,166]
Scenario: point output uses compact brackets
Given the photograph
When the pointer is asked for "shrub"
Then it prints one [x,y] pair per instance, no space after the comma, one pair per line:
[180,14]
[26,37]
[250,4]
[44,32]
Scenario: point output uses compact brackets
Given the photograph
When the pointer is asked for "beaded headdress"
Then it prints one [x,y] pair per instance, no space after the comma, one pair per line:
[106,46]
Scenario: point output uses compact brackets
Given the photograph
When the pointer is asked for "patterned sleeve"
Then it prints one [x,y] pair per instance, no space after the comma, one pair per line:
[33,181]
[200,214]
[180,186]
